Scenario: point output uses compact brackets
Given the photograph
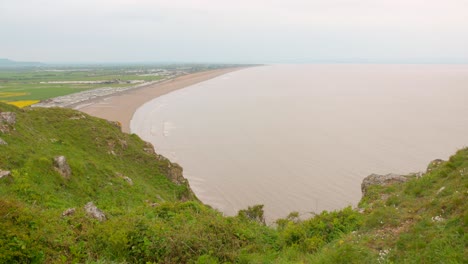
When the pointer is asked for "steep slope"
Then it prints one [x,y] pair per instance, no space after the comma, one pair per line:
[146,211]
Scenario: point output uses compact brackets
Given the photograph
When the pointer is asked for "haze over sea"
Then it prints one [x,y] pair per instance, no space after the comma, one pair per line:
[302,137]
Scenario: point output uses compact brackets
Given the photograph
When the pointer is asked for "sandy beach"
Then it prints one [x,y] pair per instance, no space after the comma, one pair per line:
[121,107]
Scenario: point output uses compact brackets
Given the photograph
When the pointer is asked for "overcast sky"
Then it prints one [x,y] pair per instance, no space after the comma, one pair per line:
[234,31]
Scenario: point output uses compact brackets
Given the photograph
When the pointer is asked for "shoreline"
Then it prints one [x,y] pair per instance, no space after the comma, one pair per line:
[122,106]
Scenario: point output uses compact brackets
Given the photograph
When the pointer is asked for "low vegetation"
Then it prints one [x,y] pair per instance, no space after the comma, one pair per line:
[151,219]
[23,86]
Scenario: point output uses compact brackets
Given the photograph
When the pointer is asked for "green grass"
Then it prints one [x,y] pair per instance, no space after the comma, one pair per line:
[157,221]
[28,81]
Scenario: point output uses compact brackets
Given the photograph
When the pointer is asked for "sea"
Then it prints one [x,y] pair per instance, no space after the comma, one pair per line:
[301,138]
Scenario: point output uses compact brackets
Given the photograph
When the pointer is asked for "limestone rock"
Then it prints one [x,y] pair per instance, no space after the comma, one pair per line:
[175,173]
[94,212]
[376,179]
[128,180]
[434,164]
[8,117]
[4,174]
[3,142]
[7,120]
[4,128]
[69,211]
[61,165]
[437,218]
[149,148]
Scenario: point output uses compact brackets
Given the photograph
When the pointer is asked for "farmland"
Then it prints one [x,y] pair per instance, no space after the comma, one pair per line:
[29,85]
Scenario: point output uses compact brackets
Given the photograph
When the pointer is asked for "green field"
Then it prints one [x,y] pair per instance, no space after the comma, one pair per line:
[31,83]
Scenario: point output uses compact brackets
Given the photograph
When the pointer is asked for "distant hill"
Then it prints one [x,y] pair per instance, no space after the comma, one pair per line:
[11,63]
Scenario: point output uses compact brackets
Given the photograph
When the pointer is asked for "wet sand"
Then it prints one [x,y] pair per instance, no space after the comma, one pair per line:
[121,107]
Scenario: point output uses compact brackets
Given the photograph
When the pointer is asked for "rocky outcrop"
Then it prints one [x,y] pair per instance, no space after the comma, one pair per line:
[4,174]
[376,179]
[148,148]
[8,118]
[94,212]
[175,173]
[61,165]
[3,142]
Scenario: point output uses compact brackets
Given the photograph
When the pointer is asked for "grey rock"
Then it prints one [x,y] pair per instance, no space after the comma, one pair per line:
[8,117]
[128,180]
[94,212]
[69,211]
[175,173]
[376,179]
[148,148]
[3,142]
[437,218]
[61,165]
[4,174]
[4,128]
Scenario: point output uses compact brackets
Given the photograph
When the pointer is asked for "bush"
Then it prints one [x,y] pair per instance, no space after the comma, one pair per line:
[253,213]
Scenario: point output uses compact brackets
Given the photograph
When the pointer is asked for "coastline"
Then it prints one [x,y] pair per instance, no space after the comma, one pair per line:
[122,106]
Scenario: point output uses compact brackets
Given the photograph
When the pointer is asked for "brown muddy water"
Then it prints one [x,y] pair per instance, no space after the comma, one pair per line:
[302,137]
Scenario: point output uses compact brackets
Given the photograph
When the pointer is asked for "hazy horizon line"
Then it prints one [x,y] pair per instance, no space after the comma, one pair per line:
[318,61]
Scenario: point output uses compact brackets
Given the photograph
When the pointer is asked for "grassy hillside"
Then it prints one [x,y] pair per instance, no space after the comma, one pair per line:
[156,220]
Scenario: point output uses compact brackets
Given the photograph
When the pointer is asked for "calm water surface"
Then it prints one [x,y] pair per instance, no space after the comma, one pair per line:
[302,137]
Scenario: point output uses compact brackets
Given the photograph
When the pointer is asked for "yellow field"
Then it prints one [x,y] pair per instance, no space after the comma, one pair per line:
[10,94]
[24,103]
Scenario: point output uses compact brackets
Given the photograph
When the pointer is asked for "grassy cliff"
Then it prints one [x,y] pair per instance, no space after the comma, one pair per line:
[153,217]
